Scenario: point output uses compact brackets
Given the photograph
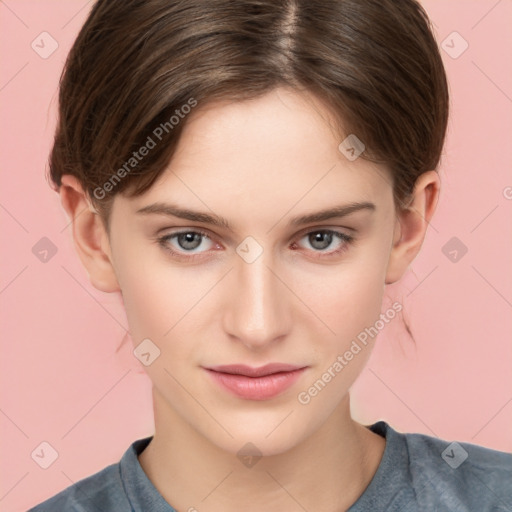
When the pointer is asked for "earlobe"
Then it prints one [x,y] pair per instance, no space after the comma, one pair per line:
[89,235]
[411,225]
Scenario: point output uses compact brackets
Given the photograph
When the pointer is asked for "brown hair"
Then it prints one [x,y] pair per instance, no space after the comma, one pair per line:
[139,66]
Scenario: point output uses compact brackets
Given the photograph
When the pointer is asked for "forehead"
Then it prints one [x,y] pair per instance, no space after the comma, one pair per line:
[281,122]
[266,154]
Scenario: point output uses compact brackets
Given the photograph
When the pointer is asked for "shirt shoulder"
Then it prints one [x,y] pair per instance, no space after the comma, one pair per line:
[458,476]
[100,491]
[120,487]
[419,473]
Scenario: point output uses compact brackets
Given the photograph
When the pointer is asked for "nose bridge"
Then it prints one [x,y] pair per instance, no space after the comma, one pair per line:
[256,314]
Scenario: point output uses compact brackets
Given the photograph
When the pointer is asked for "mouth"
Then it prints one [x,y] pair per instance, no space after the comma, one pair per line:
[261,383]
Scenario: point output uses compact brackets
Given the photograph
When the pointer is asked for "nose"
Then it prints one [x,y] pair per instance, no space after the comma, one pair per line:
[257,309]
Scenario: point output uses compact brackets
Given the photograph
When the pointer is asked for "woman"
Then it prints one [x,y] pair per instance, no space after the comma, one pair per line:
[250,176]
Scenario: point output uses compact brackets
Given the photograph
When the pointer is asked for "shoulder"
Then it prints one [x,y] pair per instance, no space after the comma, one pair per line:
[458,475]
[100,491]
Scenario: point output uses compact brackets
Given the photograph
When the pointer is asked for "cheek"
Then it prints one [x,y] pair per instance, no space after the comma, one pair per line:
[346,298]
[348,301]
[158,299]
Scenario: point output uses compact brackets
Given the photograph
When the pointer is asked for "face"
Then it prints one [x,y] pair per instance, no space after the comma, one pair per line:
[263,287]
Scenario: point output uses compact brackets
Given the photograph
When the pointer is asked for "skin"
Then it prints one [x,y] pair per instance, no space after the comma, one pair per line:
[257,163]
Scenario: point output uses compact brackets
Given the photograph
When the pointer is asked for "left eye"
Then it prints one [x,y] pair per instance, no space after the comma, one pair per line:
[322,239]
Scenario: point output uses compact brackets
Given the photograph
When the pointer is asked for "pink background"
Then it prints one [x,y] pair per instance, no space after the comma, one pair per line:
[63,382]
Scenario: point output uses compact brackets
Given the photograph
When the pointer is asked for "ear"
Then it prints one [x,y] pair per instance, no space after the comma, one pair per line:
[89,234]
[411,225]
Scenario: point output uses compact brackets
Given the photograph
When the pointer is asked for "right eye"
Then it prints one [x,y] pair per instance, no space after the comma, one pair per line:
[187,241]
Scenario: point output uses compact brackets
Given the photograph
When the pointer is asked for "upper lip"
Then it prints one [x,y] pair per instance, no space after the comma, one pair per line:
[249,371]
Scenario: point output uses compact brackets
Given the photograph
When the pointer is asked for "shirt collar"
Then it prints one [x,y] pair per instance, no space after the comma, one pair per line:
[139,489]
[389,487]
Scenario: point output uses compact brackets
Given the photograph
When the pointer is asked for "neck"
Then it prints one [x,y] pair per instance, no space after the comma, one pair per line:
[326,473]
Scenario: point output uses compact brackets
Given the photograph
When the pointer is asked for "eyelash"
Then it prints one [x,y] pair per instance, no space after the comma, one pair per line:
[163,242]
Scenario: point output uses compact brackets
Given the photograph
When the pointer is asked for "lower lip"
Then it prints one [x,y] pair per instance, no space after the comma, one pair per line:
[257,388]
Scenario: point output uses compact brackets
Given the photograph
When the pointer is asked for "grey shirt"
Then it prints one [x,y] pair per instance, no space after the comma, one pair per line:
[416,473]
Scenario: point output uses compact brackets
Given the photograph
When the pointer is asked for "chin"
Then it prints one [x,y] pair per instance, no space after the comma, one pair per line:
[247,444]
[274,434]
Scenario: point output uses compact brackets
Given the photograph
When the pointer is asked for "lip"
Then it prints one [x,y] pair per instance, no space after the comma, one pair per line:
[262,383]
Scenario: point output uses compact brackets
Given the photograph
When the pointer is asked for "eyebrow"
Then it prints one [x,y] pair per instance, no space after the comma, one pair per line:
[171,210]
